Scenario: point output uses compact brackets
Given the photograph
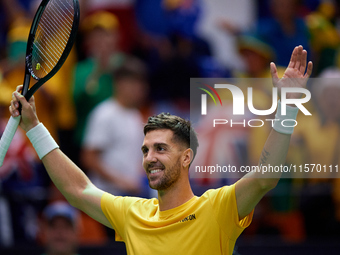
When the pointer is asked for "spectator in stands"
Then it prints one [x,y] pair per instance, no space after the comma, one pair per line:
[111,147]
[54,93]
[23,185]
[284,29]
[113,131]
[60,229]
[93,76]
[173,51]
[278,209]
[325,38]
[317,139]
[125,13]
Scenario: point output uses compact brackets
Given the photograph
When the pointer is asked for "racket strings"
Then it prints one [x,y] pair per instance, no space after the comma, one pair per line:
[52,35]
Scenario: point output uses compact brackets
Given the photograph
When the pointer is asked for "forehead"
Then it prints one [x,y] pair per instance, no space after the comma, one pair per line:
[158,136]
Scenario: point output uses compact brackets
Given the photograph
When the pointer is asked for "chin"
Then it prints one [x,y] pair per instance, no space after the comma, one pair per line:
[153,186]
[160,186]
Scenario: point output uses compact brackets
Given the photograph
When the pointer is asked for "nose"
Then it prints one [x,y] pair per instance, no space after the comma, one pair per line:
[149,158]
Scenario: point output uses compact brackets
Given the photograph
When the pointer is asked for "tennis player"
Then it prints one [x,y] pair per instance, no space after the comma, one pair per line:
[178,222]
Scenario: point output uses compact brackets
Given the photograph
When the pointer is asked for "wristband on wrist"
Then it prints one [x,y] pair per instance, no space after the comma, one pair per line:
[41,140]
[285,123]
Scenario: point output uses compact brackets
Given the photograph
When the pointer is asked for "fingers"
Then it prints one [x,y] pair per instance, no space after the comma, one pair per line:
[13,109]
[16,98]
[19,88]
[303,61]
[14,103]
[32,102]
[293,58]
[298,61]
[273,72]
[298,58]
[309,69]
[20,98]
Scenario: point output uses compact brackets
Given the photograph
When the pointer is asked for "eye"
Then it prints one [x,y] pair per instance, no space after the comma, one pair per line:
[160,148]
[145,151]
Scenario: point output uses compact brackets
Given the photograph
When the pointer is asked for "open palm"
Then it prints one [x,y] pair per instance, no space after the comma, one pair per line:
[296,74]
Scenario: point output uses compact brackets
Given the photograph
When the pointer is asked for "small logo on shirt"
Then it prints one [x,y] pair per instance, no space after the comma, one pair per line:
[188,218]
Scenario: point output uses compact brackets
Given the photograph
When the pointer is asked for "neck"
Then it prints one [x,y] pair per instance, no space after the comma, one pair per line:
[175,195]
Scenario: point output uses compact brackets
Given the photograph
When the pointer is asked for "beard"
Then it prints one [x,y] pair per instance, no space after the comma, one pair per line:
[169,177]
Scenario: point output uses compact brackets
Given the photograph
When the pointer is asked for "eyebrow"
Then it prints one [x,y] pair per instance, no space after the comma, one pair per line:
[156,145]
[161,144]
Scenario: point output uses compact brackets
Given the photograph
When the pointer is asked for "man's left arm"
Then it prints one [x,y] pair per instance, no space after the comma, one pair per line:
[254,185]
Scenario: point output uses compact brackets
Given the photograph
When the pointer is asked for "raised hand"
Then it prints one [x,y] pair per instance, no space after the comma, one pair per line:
[29,117]
[296,74]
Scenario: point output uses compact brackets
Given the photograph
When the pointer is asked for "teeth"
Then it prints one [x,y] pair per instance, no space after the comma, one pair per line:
[155,171]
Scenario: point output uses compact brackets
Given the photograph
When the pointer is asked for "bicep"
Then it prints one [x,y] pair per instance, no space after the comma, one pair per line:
[249,192]
[254,185]
[90,203]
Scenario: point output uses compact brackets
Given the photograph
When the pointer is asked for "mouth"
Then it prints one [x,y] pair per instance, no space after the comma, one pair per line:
[153,171]
[155,168]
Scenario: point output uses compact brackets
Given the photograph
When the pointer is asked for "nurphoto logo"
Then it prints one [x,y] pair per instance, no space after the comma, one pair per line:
[238,100]
[241,102]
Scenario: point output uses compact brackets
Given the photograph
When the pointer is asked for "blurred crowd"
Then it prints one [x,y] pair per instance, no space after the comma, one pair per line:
[135,58]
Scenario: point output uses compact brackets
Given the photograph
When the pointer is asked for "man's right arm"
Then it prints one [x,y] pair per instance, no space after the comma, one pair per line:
[75,185]
[68,178]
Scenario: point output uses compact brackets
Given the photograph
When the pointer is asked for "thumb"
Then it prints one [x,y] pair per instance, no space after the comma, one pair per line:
[21,99]
[273,72]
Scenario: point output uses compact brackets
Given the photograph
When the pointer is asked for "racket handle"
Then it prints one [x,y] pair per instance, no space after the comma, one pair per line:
[7,136]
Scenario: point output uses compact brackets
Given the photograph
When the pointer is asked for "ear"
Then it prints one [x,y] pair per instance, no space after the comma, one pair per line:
[188,156]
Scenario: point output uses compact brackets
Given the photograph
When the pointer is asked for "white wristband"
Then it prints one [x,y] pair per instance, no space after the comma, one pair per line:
[41,140]
[285,123]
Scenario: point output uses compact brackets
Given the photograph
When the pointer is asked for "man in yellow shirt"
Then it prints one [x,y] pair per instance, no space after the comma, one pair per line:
[177,221]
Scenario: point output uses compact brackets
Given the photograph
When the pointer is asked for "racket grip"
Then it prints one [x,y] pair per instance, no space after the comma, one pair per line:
[7,136]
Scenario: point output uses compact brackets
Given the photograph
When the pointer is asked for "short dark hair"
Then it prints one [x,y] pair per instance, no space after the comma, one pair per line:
[182,129]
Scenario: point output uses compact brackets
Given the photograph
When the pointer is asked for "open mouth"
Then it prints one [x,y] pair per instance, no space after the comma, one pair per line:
[154,171]
[155,168]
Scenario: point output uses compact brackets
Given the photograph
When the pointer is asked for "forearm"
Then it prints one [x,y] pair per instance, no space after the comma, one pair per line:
[273,154]
[74,185]
[67,177]
[275,149]
[253,186]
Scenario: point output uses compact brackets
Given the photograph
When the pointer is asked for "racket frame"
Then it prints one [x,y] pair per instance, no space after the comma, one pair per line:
[28,67]
[13,122]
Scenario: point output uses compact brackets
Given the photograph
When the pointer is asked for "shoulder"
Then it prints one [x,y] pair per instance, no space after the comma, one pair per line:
[127,200]
[224,192]
[125,204]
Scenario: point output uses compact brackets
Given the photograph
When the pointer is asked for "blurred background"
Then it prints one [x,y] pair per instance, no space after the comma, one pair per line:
[135,58]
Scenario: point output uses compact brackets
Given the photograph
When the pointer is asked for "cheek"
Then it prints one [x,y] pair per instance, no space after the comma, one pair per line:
[144,163]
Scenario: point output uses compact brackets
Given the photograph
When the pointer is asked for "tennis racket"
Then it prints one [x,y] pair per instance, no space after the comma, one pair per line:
[50,40]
